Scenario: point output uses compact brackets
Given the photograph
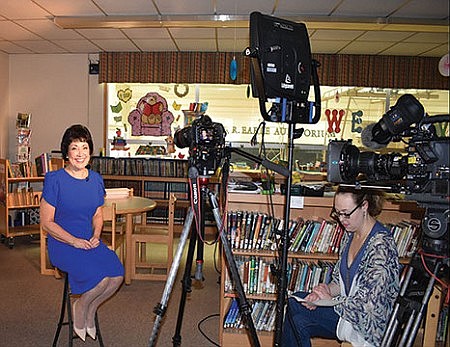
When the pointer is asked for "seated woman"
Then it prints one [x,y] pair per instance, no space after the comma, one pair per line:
[365,280]
[71,214]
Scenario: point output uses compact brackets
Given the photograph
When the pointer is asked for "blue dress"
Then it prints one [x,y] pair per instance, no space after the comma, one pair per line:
[75,202]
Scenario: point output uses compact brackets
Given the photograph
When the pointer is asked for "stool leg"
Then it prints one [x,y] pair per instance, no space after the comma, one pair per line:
[66,300]
[99,335]
[67,306]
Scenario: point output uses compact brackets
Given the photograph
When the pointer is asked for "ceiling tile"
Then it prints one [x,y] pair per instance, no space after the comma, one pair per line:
[11,31]
[42,46]
[119,45]
[135,7]
[428,37]
[244,7]
[203,33]
[238,33]
[411,49]
[437,9]
[379,8]
[206,45]
[185,7]
[21,9]
[238,46]
[48,30]
[101,33]
[77,46]
[327,47]
[11,48]
[69,7]
[336,34]
[305,8]
[155,45]
[439,51]
[390,36]
[147,33]
[368,47]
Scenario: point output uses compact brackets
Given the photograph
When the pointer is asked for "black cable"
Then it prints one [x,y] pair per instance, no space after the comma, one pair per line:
[201,331]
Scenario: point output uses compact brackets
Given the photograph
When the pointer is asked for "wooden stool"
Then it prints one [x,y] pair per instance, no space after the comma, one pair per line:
[66,305]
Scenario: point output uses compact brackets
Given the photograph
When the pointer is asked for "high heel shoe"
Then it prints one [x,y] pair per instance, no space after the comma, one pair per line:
[80,332]
[92,332]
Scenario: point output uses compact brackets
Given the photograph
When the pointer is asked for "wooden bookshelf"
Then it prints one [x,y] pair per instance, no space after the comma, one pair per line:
[308,208]
[18,197]
[153,178]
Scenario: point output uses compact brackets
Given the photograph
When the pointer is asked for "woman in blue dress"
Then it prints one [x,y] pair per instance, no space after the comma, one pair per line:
[71,214]
[365,280]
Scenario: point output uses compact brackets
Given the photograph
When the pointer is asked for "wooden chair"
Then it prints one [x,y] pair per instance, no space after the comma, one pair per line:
[112,234]
[141,267]
[46,267]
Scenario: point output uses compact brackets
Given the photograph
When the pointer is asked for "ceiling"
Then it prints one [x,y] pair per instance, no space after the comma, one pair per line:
[381,27]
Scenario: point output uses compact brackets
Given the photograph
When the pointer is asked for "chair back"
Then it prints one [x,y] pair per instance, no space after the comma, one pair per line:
[110,216]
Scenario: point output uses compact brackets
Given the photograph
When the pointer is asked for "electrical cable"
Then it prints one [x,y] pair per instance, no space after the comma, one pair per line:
[202,332]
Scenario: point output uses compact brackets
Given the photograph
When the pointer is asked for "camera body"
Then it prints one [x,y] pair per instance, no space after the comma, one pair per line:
[422,174]
[423,170]
[206,142]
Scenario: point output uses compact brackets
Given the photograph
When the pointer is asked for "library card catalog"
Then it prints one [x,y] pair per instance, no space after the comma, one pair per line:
[297,201]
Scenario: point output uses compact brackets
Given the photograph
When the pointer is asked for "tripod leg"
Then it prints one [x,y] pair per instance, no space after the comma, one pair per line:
[160,309]
[394,320]
[426,298]
[186,287]
[234,273]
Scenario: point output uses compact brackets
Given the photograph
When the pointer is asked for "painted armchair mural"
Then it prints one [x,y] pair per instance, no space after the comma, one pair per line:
[151,116]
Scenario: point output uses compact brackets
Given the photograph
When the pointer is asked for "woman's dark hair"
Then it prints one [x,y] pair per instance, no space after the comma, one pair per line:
[375,198]
[76,132]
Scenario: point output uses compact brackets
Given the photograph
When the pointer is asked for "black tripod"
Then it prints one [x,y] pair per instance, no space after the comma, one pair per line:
[160,309]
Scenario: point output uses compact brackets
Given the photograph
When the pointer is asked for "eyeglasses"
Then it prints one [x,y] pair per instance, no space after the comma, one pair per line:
[346,215]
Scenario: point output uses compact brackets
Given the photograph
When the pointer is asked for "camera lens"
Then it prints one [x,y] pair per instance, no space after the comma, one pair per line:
[183,137]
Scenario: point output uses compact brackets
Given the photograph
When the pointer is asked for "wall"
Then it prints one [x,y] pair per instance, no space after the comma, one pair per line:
[58,91]
[4,104]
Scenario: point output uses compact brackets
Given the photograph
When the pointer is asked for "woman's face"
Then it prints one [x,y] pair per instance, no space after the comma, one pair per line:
[78,154]
[350,214]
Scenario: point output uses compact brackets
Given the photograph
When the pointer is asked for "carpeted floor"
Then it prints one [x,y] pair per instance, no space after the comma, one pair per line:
[30,304]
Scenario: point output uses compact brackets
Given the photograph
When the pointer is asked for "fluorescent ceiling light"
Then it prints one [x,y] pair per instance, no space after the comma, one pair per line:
[234,21]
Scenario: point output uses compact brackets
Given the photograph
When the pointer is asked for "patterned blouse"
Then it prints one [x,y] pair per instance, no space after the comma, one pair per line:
[368,306]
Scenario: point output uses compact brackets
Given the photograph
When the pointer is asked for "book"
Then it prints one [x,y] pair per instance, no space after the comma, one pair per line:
[320,302]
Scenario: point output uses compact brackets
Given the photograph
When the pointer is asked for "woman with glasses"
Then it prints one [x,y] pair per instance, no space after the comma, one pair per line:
[360,297]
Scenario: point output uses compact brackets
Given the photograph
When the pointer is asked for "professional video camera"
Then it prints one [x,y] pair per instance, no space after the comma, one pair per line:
[206,142]
[422,174]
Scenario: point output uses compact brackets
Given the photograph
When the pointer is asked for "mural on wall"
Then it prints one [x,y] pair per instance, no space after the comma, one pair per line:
[151,117]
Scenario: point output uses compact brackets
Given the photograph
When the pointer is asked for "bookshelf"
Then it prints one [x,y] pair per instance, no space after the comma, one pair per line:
[19,203]
[309,208]
[155,178]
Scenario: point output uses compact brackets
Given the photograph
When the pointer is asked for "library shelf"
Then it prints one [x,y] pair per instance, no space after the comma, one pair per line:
[307,208]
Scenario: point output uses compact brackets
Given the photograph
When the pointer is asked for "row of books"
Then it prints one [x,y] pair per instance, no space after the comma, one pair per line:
[259,231]
[251,230]
[407,237]
[160,215]
[263,315]
[162,190]
[16,170]
[140,166]
[257,277]
[23,196]
[43,164]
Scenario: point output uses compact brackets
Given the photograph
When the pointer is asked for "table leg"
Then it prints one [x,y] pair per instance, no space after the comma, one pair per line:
[129,231]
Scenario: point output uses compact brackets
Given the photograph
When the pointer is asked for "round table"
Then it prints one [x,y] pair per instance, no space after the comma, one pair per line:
[130,206]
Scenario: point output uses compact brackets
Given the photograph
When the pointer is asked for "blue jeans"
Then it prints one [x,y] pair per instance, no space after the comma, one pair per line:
[300,324]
